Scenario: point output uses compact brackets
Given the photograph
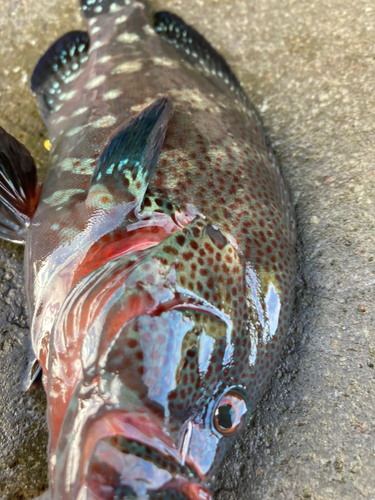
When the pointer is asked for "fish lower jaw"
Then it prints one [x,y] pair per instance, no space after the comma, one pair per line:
[178,487]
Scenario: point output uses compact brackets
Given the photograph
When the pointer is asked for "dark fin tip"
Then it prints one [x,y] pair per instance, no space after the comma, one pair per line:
[19,189]
[93,8]
[57,67]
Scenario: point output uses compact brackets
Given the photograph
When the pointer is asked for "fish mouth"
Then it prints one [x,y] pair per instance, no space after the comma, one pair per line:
[130,457]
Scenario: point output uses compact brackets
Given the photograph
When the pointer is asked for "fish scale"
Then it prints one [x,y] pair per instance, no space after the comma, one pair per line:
[159,255]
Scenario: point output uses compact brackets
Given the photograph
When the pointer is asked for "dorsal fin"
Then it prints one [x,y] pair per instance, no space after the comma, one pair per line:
[126,165]
[19,189]
[57,69]
[195,49]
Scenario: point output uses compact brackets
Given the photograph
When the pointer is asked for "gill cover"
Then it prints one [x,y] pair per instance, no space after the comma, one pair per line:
[19,189]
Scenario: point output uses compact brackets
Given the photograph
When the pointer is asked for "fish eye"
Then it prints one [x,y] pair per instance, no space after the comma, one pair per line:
[229,416]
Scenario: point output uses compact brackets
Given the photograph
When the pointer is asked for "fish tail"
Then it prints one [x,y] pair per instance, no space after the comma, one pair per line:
[94,8]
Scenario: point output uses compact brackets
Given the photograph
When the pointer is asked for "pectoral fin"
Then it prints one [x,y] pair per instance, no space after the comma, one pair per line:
[127,164]
[36,377]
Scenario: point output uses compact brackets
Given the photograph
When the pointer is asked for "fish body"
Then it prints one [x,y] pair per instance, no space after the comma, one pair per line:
[159,256]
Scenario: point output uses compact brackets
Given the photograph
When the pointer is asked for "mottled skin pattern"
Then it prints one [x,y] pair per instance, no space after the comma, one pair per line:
[143,319]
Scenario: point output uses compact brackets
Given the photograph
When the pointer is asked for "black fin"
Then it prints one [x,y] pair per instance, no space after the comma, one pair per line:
[195,49]
[57,68]
[93,8]
[19,188]
[127,163]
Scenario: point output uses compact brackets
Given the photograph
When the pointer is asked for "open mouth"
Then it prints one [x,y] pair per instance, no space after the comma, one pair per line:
[131,458]
[121,468]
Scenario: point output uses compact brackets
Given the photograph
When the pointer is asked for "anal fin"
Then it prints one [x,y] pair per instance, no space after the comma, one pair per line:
[57,69]
[127,163]
[19,189]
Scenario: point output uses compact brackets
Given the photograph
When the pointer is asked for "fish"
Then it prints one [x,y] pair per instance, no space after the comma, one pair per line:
[159,256]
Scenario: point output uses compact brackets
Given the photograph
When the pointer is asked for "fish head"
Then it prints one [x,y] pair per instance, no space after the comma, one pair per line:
[166,377]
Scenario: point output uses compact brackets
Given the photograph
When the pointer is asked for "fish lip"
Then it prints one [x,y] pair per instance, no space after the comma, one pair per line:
[147,433]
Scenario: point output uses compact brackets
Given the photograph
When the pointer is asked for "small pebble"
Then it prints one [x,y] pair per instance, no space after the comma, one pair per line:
[329,179]
[307,493]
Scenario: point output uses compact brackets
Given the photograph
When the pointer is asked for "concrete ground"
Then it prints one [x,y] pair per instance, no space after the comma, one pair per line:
[309,67]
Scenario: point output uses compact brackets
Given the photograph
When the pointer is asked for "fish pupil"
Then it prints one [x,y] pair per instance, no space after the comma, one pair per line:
[226,416]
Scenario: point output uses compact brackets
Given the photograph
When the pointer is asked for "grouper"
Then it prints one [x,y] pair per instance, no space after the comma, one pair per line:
[159,256]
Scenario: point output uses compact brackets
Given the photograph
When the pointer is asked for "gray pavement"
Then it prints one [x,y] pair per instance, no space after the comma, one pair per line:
[309,67]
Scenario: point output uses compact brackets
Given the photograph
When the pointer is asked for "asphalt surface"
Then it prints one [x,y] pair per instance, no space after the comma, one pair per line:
[309,68]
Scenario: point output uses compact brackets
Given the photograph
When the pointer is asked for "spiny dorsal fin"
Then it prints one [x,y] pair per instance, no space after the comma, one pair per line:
[195,49]
[19,189]
[57,69]
[126,165]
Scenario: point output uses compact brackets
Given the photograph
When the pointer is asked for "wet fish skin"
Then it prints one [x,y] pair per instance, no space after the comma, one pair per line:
[159,261]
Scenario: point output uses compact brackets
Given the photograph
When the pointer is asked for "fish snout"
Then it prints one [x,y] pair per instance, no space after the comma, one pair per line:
[134,466]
